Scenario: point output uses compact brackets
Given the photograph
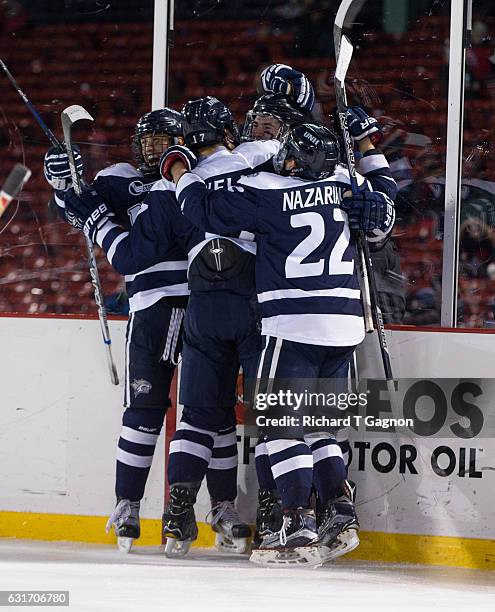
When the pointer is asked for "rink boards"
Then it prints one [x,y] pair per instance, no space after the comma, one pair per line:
[421,498]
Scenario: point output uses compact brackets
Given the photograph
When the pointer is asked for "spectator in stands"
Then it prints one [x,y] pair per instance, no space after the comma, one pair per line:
[14,16]
[476,247]
[423,307]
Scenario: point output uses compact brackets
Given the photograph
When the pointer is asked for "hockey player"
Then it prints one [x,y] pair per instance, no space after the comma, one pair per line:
[311,310]
[271,117]
[206,435]
[221,329]
[157,293]
[287,100]
[287,81]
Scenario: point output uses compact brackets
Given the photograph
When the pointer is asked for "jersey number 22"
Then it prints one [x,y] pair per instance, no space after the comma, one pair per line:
[294,268]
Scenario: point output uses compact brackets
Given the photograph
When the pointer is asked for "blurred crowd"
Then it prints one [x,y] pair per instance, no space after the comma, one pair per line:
[106,67]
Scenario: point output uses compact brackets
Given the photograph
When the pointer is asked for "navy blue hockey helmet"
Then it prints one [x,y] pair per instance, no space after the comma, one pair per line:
[314,148]
[208,121]
[271,106]
[155,131]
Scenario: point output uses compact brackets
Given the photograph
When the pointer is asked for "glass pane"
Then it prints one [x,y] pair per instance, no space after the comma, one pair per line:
[99,54]
[398,73]
[477,223]
[90,52]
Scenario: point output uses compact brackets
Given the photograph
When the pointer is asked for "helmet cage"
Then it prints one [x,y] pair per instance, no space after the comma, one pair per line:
[273,105]
[252,116]
[164,122]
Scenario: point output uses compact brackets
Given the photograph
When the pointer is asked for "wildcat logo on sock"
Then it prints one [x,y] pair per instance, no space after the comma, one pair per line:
[141,386]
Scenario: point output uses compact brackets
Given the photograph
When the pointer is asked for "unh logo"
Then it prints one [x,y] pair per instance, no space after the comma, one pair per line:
[138,187]
[141,386]
[311,138]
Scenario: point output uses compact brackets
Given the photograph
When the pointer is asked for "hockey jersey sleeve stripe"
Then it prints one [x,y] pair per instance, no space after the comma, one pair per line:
[160,267]
[372,162]
[102,233]
[115,244]
[147,298]
[280,294]
[58,200]
[185,180]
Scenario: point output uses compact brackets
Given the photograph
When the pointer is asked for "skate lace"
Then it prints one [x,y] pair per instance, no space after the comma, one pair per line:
[119,516]
[283,531]
[224,511]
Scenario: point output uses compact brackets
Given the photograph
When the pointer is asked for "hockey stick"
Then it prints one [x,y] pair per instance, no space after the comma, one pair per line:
[27,102]
[69,116]
[343,61]
[92,261]
[340,94]
[13,185]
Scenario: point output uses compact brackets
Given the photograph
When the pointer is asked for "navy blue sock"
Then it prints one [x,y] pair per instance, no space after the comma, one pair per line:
[138,438]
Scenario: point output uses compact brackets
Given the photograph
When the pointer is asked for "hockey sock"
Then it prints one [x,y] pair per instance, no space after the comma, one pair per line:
[263,466]
[138,438]
[221,476]
[189,455]
[292,468]
[329,468]
[342,438]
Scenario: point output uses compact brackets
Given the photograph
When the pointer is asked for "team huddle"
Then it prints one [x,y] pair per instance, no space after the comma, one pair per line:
[238,250]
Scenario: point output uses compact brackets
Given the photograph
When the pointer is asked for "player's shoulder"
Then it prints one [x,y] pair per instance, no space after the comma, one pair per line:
[270,181]
[340,174]
[120,170]
[257,152]
[162,185]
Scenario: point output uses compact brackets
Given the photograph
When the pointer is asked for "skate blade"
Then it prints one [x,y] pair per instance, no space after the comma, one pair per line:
[345,543]
[125,544]
[305,556]
[237,546]
[177,548]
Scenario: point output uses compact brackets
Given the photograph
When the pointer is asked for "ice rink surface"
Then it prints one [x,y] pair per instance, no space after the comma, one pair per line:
[100,578]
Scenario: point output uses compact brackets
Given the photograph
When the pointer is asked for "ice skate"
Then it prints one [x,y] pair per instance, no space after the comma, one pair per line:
[338,525]
[179,521]
[268,515]
[292,544]
[232,534]
[125,521]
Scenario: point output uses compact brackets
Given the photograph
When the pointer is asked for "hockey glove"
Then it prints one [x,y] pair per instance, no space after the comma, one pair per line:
[369,211]
[361,125]
[282,79]
[56,167]
[176,153]
[87,212]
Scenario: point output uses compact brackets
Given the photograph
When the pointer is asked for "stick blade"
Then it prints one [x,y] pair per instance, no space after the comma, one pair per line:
[347,12]
[13,185]
[344,59]
[75,113]
[15,180]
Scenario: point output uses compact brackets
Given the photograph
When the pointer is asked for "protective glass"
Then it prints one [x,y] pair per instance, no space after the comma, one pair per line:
[153,146]
[262,127]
